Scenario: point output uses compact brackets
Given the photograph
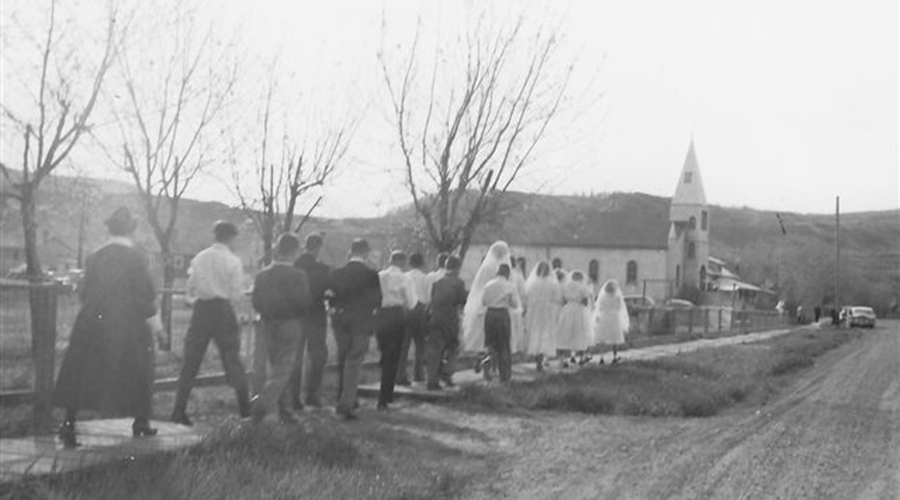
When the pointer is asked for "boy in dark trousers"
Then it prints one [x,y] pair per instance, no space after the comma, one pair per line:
[448,295]
[281,296]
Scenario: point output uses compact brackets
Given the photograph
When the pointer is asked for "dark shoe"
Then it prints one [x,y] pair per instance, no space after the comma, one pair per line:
[141,428]
[346,415]
[448,381]
[257,410]
[404,383]
[298,406]
[313,401]
[181,418]
[382,407]
[433,387]
[67,435]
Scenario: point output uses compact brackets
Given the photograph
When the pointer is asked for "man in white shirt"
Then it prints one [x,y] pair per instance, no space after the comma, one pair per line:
[500,295]
[216,279]
[397,297]
[416,322]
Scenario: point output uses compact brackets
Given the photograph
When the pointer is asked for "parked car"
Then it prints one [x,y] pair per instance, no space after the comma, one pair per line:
[638,301]
[679,304]
[860,316]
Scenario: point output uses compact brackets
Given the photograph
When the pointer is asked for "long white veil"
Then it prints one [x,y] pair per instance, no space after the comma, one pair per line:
[473,313]
[612,302]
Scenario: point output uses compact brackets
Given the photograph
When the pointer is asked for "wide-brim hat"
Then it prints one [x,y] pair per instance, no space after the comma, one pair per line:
[121,221]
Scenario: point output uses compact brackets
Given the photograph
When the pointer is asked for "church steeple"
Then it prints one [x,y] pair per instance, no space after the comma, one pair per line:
[689,190]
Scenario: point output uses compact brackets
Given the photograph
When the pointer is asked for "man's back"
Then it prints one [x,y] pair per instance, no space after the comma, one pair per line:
[356,287]
[317,276]
[448,294]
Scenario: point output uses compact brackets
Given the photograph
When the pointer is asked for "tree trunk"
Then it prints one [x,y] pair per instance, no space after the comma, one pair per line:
[29,227]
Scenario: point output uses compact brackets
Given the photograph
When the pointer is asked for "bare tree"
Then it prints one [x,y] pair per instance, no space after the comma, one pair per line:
[65,94]
[170,100]
[471,131]
[279,188]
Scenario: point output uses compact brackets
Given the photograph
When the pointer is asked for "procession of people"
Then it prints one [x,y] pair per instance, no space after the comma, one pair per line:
[415,314]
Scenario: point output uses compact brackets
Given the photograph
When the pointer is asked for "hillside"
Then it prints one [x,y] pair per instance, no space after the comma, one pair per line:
[749,239]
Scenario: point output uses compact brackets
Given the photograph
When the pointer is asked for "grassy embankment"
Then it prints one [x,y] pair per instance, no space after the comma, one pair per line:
[698,384]
[318,459]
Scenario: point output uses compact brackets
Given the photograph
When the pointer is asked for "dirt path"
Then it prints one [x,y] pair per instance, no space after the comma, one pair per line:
[835,433]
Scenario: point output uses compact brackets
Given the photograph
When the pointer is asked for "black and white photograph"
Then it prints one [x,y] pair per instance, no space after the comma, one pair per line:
[449,250]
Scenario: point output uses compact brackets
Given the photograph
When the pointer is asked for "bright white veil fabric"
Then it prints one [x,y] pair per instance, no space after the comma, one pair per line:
[575,328]
[543,302]
[611,321]
[473,312]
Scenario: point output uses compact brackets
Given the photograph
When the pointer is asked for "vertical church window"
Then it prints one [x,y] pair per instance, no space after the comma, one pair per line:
[692,250]
[687,177]
[631,272]
[704,221]
[594,270]
[703,277]
[556,264]
[692,222]
[678,277]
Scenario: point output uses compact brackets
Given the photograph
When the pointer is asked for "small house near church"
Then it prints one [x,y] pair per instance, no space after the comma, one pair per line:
[629,238]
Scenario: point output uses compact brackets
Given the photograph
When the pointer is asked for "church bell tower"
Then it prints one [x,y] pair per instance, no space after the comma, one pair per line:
[689,227]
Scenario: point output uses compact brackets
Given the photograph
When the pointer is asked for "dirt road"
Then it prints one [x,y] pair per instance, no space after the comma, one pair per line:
[835,433]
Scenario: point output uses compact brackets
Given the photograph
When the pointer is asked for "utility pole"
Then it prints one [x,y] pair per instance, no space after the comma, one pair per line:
[837,251]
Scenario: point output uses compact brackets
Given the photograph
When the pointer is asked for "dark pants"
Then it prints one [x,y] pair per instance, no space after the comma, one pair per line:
[496,338]
[311,345]
[416,333]
[391,329]
[443,341]
[212,320]
[352,331]
[282,337]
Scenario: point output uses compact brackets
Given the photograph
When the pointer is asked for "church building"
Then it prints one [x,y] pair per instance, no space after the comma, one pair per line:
[651,249]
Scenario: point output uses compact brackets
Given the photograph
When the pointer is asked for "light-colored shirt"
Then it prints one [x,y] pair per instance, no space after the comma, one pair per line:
[215,272]
[396,289]
[500,293]
[430,279]
[420,286]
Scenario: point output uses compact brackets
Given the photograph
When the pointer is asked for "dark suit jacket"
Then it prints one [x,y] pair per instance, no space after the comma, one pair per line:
[317,275]
[357,290]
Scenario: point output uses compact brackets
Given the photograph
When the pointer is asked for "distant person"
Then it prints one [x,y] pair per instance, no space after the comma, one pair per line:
[817,313]
[448,296]
[416,323]
[357,297]
[315,325]
[281,296]
[108,365]
[543,298]
[800,318]
[517,314]
[216,279]
[397,300]
[500,295]
[611,321]
[473,313]
[575,328]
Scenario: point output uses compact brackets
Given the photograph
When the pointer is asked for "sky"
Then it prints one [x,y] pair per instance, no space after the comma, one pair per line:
[788,103]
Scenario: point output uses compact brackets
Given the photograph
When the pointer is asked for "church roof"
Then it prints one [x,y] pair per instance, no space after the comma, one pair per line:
[615,220]
[689,190]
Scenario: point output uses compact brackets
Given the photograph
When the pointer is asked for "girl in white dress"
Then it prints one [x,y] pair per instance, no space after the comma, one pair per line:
[517,315]
[575,329]
[473,312]
[543,297]
[611,318]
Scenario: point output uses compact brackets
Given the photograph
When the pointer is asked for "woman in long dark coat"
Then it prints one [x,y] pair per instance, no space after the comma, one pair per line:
[109,363]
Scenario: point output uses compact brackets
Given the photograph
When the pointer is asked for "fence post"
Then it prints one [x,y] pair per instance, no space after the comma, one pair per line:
[43,298]
[720,320]
[690,313]
[706,322]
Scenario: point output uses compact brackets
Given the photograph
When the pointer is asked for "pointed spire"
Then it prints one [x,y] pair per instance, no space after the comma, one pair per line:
[690,185]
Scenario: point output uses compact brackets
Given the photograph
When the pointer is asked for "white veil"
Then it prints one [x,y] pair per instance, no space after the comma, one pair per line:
[612,302]
[473,313]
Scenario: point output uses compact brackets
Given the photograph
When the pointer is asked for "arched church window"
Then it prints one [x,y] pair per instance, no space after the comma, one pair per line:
[688,177]
[692,250]
[594,270]
[703,277]
[704,221]
[556,263]
[678,277]
[692,223]
[631,272]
